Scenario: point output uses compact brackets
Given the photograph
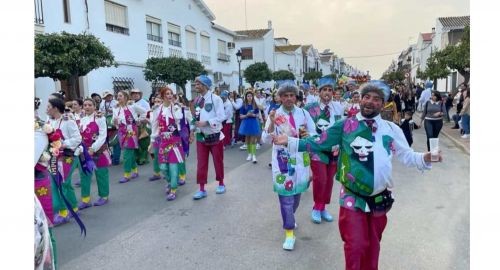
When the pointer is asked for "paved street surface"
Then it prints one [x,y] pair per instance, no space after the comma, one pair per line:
[428,227]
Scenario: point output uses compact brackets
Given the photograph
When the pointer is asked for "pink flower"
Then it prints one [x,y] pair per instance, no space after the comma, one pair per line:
[349,202]
[289,185]
[351,177]
[350,125]
[280,120]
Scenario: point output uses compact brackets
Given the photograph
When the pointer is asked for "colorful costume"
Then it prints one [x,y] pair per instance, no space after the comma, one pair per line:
[94,132]
[112,138]
[70,138]
[128,118]
[144,132]
[290,170]
[365,172]
[323,172]
[209,108]
[166,127]
[227,125]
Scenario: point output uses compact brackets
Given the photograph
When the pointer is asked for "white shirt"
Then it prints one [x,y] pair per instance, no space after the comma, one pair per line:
[339,107]
[237,104]
[172,111]
[215,116]
[108,105]
[310,99]
[425,96]
[70,131]
[144,104]
[103,130]
[137,112]
[332,114]
[229,111]
[301,118]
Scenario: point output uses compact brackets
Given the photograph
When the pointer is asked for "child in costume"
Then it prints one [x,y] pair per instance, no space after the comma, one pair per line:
[250,126]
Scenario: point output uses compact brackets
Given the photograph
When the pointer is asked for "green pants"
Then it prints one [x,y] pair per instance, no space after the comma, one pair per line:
[142,152]
[67,189]
[156,165]
[54,248]
[102,179]
[129,163]
[182,168]
[171,172]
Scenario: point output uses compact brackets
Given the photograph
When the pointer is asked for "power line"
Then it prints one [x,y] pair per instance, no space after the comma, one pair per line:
[375,55]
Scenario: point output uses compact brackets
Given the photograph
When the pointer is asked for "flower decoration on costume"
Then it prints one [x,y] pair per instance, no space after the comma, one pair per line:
[55,137]
[42,191]
[280,179]
[283,125]
[349,202]
[351,177]
[350,125]
[289,185]
[315,111]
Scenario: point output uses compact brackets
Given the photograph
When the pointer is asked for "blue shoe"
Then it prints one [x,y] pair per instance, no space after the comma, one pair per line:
[326,216]
[220,189]
[316,216]
[199,195]
[289,243]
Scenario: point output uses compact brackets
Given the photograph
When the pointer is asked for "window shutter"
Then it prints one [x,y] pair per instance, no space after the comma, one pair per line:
[174,28]
[191,41]
[205,45]
[153,20]
[115,14]
[222,46]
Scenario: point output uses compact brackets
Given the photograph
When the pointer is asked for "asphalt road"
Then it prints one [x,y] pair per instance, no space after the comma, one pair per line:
[428,226]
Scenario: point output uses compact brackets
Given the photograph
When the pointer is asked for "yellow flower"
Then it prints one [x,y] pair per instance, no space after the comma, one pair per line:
[42,191]
[68,160]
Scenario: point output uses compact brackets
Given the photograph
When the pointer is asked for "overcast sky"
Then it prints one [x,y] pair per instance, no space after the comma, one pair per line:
[350,28]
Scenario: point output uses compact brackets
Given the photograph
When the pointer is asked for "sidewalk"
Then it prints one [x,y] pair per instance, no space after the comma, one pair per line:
[453,134]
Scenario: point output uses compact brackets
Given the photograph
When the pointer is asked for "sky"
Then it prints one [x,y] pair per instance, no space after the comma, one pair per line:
[351,29]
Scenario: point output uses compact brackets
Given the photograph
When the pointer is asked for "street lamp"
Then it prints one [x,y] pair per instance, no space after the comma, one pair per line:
[238,58]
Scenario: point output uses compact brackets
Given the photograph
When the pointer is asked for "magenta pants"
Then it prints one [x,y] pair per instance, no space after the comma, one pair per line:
[202,151]
[361,233]
[322,178]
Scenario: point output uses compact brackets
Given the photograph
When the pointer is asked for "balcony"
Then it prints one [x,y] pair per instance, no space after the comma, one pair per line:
[205,60]
[117,29]
[155,38]
[175,52]
[223,57]
[190,55]
[174,42]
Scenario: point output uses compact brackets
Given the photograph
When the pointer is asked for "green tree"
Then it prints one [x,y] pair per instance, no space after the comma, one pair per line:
[393,77]
[458,56]
[65,56]
[436,67]
[312,75]
[172,70]
[283,75]
[257,72]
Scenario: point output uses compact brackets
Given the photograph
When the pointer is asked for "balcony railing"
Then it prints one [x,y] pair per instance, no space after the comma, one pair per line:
[223,57]
[192,55]
[205,59]
[155,38]
[174,42]
[38,12]
[117,29]
[175,53]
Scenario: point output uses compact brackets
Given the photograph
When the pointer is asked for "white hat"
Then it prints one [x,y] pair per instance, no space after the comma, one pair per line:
[106,93]
[135,90]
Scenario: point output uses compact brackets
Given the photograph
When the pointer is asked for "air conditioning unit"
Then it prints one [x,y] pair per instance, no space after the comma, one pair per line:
[230,45]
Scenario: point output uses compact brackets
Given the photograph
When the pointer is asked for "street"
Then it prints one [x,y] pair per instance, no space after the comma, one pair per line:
[428,226]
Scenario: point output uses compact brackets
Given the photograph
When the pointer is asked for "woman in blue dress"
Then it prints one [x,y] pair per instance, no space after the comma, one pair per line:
[250,126]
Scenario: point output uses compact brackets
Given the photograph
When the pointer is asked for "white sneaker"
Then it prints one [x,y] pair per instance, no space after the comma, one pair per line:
[254,159]
[243,147]
[257,146]
[465,136]
[249,157]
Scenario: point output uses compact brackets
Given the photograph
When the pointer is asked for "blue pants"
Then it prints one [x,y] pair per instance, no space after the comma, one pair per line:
[289,205]
[466,123]
[116,154]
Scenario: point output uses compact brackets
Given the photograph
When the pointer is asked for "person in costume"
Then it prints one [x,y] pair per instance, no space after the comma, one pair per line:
[237,102]
[308,96]
[339,105]
[227,126]
[126,117]
[367,145]
[208,115]
[166,126]
[144,128]
[153,146]
[185,132]
[290,172]
[94,132]
[106,107]
[66,136]
[353,106]
[45,250]
[323,171]
[250,125]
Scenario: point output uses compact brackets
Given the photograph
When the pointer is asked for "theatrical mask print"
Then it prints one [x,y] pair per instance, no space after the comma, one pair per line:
[362,147]
[322,125]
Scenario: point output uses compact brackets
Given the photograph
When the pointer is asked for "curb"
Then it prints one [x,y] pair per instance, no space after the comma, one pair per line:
[458,143]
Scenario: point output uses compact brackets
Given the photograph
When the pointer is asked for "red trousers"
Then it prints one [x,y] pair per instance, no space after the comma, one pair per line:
[202,151]
[227,130]
[322,181]
[361,233]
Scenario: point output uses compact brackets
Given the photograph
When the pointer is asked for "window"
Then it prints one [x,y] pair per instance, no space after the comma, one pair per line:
[222,55]
[174,35]
[67,18]
[153,26]
[246,53]
[191,41]
[116,18]
[205,44]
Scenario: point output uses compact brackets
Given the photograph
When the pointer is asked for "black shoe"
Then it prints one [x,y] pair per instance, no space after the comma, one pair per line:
[455,127]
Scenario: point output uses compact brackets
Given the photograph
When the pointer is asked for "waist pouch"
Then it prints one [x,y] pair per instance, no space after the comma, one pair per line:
[381,202]
[211,139]
[68,152]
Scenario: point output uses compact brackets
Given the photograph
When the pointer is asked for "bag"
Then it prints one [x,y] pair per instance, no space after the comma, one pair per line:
[381,202]
[68,152]
[211,139]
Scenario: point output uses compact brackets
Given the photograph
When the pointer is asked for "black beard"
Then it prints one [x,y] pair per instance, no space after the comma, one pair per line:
[371,115]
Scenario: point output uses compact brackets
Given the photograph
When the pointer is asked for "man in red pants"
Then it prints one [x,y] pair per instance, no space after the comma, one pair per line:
[323,171]
[208,112]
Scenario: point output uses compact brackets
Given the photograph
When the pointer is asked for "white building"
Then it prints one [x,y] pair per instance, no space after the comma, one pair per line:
[449,31]
[422,53]
[256,46]
[289,57]
[310,58]
[136,30]
[326,61]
